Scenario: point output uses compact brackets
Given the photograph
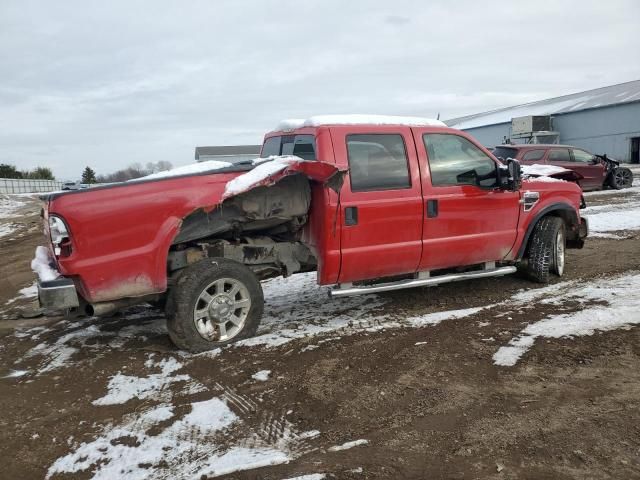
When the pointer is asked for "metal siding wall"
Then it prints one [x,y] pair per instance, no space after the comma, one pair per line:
[490,135]
[601,130]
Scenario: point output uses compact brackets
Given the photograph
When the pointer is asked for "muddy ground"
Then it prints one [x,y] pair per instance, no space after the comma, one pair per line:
[428,400]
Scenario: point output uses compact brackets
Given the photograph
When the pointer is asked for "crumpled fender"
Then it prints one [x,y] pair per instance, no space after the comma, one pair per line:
[269,173]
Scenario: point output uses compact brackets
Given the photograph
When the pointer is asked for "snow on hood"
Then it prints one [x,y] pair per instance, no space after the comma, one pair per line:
[357,119]
[542,170]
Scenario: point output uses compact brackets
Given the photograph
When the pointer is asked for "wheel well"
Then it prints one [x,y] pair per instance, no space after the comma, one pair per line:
[565,212]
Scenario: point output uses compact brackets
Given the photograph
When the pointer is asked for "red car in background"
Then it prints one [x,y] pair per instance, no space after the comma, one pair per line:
[597,171]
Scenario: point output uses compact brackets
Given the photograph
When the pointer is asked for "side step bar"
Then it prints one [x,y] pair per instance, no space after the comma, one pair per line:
[347,290]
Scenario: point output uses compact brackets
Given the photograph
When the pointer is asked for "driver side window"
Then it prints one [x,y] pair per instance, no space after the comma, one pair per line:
[581,156]
[454,160]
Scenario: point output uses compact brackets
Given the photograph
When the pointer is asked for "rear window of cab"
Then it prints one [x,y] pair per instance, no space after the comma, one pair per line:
[303,146]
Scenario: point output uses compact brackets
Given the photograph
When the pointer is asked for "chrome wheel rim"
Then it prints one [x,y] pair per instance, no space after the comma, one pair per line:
[221,310]
[560,253]
[622,177]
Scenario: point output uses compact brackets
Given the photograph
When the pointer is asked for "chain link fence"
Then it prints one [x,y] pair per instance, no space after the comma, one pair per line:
[13,185]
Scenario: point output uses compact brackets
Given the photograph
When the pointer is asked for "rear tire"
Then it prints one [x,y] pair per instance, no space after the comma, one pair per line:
[620,177]
[547,249]
[214,302]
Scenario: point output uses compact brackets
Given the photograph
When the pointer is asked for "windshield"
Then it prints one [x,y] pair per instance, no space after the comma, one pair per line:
[505,152]
[303,146]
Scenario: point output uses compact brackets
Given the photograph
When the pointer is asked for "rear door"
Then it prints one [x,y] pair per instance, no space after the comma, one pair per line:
[380,202]
[593,172]
[465,224]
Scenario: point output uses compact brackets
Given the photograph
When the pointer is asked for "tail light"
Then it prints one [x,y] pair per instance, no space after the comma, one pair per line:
[60,236]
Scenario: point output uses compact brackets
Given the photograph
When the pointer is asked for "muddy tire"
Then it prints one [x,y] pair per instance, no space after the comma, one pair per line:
[620,177]
[547,249]
[213,303]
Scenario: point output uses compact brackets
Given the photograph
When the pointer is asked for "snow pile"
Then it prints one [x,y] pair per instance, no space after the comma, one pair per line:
[41,265]
[358,119]
[262,375]
[123,388]
[542,170]
[621,309]
[190,169]
[266,167]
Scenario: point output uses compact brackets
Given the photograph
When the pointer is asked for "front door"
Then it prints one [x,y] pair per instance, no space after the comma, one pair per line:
[586,164]
[380,203]
[468,219]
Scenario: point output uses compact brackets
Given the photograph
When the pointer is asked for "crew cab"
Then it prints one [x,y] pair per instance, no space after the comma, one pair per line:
[595,171]
[371,203]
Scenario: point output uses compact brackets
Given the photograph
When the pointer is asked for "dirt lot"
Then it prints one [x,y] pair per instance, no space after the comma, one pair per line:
[487,379]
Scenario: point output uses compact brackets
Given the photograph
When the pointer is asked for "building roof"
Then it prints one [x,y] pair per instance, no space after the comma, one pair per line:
[228,150]
[627,92]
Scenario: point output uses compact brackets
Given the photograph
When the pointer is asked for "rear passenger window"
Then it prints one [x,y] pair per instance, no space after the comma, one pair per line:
[533,155]
[377,162]
[454,160]
[559,155]
[303,146]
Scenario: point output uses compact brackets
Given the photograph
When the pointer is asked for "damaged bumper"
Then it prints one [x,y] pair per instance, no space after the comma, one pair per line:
[58,294]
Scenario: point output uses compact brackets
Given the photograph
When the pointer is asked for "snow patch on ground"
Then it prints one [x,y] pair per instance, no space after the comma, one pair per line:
[193,446]
[261,376]
[621,309]
[7,229]
[27,292]
[312,476]
[123,388]
[617,217]
[10,204]
[348,445]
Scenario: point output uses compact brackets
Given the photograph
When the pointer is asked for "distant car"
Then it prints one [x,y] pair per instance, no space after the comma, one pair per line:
[597,171]
[70,186]
[74,186]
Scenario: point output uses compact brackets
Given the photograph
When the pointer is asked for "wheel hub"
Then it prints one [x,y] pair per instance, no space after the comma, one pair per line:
[220,308]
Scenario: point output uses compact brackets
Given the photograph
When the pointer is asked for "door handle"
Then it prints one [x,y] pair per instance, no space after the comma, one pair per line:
[351,215]
[432,208]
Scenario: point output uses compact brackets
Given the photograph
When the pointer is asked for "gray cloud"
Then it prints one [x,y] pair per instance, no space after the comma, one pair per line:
[111,83]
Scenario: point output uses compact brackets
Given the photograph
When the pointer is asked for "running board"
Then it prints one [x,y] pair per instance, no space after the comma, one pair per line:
[347,290]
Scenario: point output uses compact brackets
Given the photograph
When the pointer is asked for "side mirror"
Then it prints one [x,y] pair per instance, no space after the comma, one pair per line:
[515,174]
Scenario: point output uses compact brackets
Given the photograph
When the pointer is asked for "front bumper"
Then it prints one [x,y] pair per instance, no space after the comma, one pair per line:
[58,294]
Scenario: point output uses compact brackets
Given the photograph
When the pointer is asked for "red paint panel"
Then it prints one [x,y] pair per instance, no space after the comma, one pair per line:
[387,239]
[473,225]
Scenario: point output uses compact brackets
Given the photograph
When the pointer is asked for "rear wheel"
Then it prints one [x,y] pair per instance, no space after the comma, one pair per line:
[621,177]
[214,302]
[547,249]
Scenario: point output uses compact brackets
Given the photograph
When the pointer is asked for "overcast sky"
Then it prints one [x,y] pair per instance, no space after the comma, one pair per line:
[107,84]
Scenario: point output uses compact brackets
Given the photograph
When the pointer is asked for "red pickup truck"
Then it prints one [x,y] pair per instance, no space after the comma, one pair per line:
[370,203]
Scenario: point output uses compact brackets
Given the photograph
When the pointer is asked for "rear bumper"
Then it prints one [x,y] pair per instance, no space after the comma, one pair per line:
[58,294]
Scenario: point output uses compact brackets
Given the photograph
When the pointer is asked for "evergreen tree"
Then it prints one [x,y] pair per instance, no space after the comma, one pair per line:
[9,171]
[88,175]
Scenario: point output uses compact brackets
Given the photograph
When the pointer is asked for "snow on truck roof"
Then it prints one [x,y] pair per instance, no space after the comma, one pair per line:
[357,119]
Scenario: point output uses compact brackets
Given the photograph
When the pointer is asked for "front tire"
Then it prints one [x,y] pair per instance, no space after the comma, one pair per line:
[214,302]
[621,177]
[547,249]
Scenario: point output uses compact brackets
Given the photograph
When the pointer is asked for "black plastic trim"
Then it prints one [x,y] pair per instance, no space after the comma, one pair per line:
[551,208]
